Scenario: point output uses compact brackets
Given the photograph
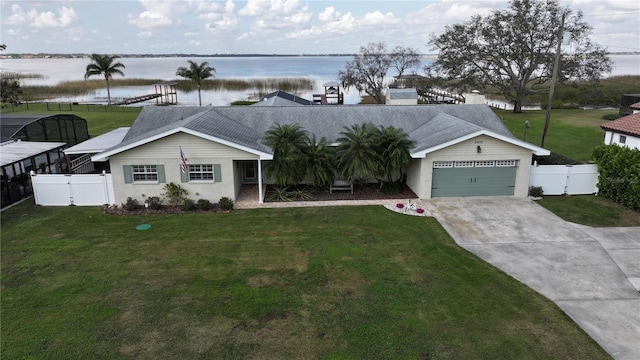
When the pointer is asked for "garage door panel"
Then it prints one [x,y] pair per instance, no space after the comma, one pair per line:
[473,181]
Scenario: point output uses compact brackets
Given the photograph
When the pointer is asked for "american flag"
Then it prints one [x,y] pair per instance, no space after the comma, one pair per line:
[183,162]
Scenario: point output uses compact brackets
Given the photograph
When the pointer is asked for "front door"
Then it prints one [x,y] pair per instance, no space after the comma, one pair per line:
[250,172]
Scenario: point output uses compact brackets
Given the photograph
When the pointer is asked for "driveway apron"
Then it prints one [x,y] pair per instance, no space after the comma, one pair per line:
[592,274]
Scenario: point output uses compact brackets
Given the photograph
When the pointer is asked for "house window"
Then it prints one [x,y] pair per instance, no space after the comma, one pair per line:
[201,172]
[505,163]
[485,163]
[144,172]
[460,164]
[442,164]
[622,139]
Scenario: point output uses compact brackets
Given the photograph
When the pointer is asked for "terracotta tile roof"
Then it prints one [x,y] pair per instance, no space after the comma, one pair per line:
[629,125]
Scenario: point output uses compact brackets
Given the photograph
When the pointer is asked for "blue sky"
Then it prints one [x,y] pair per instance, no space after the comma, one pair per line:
[262,26]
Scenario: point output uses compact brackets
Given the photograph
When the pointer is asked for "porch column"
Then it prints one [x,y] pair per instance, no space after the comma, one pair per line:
[260,181]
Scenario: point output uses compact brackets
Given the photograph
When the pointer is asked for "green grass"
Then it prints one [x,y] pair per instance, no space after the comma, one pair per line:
[100,118]
[591,210]
[572,133]
[304,283]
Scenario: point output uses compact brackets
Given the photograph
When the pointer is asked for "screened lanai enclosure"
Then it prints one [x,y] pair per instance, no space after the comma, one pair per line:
[66,128]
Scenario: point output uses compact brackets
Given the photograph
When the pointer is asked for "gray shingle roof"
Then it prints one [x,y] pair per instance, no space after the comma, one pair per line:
[427,125]
[282,98]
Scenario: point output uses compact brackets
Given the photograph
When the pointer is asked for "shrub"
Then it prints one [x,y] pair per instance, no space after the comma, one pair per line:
[611,116]
[131,204]
[175,193]
[203,204]
[535,191]
[280,193]
[154,203]
[302,194]
[188,205]
[619,178]
[225,203]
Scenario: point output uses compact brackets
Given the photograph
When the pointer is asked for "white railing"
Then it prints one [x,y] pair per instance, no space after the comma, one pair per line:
[80,190]
[565,179]
[82,164]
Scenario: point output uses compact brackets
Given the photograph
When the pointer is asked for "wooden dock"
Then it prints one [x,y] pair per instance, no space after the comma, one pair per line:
[137,99]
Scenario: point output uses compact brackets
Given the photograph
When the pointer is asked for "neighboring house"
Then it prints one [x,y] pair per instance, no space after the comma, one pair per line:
[407,96]
[34,143]
[474,97]
[66,128]
[79,155]
[18,158]
[460,150]
[624,131]
[626,103]
[282,98]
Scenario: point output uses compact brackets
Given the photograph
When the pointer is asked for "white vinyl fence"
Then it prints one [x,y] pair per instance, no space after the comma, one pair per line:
[565,179]
[81,190]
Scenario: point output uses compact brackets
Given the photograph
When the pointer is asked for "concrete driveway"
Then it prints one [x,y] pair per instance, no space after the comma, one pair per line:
[592,274]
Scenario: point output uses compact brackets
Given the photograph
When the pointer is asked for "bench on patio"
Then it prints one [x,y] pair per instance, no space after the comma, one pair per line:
[340,185]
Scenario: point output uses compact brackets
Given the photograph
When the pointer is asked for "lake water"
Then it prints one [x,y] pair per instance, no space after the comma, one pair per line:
[319,68]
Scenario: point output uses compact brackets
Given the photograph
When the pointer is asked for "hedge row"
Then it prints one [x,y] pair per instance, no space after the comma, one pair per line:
[619,178]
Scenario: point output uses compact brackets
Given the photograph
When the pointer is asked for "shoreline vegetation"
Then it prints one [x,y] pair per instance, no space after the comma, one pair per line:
[81,87]
[606,92]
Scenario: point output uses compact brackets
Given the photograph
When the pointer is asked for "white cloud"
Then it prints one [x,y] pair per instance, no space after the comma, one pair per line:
[194,43]
[191,34]
[221,17]
[18,15]
[377,18]
[145,34]
[149,19]
[268,7]
[64,17]
[276,14]
[345,24]
[329,14]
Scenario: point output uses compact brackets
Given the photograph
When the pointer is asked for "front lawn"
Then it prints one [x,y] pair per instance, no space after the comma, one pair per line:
[591,210]
[295,283]
[572,132]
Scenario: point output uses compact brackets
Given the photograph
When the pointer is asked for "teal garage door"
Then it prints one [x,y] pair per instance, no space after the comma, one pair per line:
[473,178]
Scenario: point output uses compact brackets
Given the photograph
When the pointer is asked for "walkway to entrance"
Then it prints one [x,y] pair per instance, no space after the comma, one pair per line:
[248,199]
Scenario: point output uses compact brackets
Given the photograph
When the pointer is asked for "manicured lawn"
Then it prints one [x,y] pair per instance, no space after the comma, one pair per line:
[301,283]
[100,119]
[591,210]
[572,133]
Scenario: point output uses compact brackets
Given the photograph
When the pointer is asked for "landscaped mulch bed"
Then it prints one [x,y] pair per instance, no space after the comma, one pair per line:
[361,192]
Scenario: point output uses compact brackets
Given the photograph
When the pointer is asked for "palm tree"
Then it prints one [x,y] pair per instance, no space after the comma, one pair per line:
[320,162]
[288,143]
[104,65]
[196,73]
[357,153]
[394,148]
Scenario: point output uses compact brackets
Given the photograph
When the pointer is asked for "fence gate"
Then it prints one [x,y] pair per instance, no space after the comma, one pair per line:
[80,190]
[565,179]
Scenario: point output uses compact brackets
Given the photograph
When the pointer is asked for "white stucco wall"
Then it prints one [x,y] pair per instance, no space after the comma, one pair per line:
[611,138]
[166,151]
[420,171]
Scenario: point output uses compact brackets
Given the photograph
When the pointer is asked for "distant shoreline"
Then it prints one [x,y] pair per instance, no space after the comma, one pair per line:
[180,55]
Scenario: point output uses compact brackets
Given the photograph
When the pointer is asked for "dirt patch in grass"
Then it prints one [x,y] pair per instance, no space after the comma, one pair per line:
[265,280]
[288,338]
